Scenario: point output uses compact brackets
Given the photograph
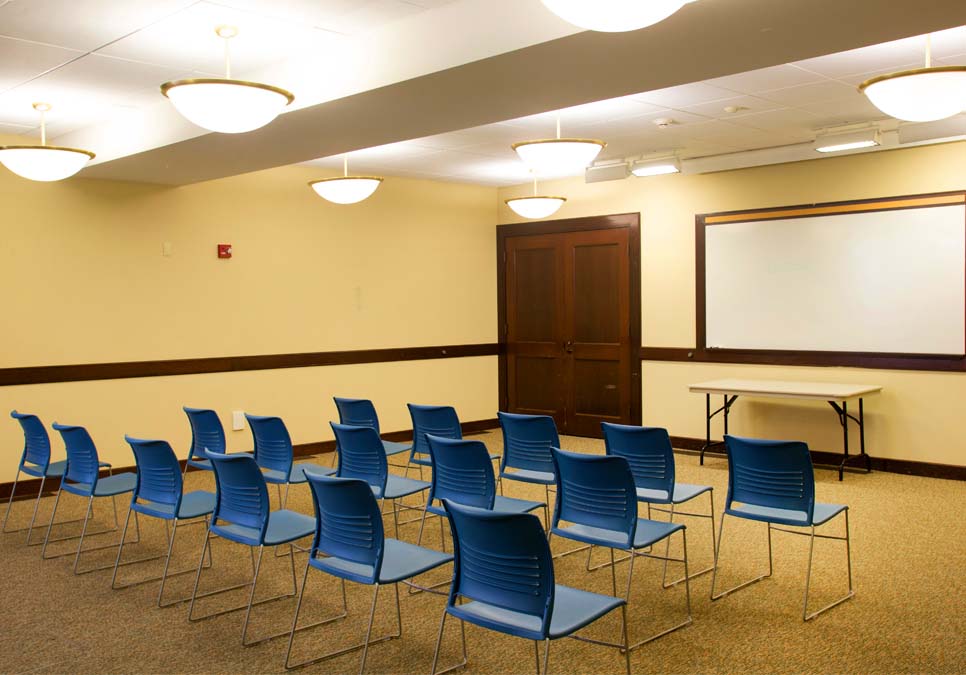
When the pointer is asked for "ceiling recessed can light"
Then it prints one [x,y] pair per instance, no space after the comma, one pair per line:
[44,162]
[227,105]
[614,16]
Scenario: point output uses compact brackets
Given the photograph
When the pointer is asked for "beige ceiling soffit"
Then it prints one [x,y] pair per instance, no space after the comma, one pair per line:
[720,38]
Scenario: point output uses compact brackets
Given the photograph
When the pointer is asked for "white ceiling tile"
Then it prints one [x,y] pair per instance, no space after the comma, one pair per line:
[21,60]
[766,78]
[370,14]
[260,41]
[783,119]
[84,25]
[876,57]
[853,110]
[810,93]
[746,105]
[685,95]
[858,78]
[949,43]
[14,129]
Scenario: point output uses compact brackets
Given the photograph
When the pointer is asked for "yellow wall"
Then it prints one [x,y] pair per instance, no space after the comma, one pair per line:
[85,281]
[919,415]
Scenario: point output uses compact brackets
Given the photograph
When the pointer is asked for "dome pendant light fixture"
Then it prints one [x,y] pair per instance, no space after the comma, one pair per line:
[225,105]
[920,95]
[535,206]
[614,16]
[346,189]
[558,155]
[44,162]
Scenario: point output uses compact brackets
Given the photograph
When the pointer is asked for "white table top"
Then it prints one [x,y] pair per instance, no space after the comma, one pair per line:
[820,391]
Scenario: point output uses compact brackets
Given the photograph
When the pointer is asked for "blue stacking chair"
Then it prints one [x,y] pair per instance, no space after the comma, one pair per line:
[598,497]
[275,456]
[359,412]
[206,434]
[158,493]
[82,478]
[527,440]
[649,453]
[463,474]
[361,456]
[35,461]
[773,482]
[350,545]
[503,574]
[437,420]
[242,515]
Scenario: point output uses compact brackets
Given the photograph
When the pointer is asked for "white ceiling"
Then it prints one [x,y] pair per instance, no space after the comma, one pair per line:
[777,106]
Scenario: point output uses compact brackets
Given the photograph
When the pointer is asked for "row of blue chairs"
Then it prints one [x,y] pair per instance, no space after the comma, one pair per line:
[596,495]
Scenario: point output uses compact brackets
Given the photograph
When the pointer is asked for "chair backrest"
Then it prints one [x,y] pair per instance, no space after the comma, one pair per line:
[438,420]
[348,522]
[273,445]
[462,472]
[775,474]
[527,440]
[206,432]
[241,497]
[82,462]
[502,559]
[358,412]
[158,472]
[36,442]
[648,451]
[361,455]
[596,490]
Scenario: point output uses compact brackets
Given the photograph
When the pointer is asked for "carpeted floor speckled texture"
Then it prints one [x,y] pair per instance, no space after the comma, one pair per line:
[908,614]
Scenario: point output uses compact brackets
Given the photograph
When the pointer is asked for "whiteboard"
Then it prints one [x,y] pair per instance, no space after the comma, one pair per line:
[884,281]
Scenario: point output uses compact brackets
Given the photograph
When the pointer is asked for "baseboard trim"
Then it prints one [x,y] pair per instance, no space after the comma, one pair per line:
[832,459]
[27,489]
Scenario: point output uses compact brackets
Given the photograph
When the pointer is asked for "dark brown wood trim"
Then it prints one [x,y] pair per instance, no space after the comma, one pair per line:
[27,489]
[877,360]
[832,459]
[224,364]
[632,221]
[873,360]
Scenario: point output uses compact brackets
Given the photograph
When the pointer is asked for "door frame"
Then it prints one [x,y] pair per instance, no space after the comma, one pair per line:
[630,221]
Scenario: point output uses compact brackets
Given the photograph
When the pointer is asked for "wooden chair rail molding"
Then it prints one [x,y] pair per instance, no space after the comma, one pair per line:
[790,358]
[224,364]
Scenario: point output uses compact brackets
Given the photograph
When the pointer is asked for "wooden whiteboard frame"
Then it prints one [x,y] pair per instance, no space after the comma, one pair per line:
[884,360]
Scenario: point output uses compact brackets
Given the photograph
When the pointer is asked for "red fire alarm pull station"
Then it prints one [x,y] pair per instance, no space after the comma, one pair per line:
[224,250]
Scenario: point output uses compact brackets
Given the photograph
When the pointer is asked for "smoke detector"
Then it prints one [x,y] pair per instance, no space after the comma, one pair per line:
[664,122]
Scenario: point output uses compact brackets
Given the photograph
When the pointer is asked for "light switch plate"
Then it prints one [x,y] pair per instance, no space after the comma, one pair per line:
[237,420]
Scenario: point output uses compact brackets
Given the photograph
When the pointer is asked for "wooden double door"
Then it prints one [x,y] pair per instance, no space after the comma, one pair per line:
[572,323]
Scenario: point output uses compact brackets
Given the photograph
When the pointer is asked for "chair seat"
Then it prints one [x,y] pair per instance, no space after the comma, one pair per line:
[648,532]
[530,476]
[297,473]
[683,492]
[401,560]
[393,448]
[572,610]
[54,469]
[204,464]
[512,505]
[284,526]
[399,486]
[193,505]
[106,487]
[820,515]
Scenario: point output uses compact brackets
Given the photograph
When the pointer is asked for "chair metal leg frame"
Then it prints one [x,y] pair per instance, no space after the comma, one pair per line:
[33,519]
[714,572]
[585,547]
[80,542]
[415,588]
[667,549]
[439,641]
[364,645]
[171,533]
[251,596]
[687,589]
[50,525]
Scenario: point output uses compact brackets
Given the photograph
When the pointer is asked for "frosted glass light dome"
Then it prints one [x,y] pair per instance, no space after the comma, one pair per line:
[558,155]
[346,189]
[535,207]
[614,16]
[44,162]
[921,95]
[225,105]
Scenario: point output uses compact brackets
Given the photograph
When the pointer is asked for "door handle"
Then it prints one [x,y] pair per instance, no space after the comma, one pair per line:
[569,346]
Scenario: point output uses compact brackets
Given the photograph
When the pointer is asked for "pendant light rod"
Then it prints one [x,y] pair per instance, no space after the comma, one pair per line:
[558,126]
[929,50]
[226,33]
[42,108]
[345,164]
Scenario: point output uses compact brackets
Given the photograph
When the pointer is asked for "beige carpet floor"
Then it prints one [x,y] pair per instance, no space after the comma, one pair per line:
[908,614]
